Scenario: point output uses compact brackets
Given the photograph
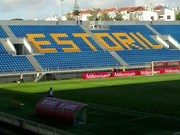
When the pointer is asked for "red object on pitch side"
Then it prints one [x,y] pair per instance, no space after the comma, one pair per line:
[69,112]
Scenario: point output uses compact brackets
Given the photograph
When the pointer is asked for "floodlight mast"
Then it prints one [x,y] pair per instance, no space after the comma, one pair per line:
[61,9]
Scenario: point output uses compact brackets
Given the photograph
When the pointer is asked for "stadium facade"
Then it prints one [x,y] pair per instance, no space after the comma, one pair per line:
[67,50]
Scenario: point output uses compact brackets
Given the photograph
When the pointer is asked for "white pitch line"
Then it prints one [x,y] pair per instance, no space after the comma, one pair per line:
[130,112]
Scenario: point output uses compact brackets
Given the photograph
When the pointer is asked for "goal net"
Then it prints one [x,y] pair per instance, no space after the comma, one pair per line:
[165,67]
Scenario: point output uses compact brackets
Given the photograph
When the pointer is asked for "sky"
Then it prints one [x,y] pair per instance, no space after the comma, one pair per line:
[41,9]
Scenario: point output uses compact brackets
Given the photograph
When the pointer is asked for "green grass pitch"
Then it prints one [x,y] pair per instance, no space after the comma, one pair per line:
[117,106]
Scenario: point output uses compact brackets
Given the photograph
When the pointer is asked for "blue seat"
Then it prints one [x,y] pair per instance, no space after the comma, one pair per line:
[21,30]
[173,30]
[2,33]
[74,60]
[135,57]
[9,63]
[142,29]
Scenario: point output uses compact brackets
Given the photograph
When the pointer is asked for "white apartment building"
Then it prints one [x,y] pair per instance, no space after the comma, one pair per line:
[141,13]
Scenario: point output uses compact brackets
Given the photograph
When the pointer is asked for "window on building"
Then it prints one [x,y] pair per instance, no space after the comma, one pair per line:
[152,18]
[160,17]
[168,17]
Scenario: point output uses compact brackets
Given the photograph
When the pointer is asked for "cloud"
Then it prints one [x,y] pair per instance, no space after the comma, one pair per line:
[68,5]
[13,5]
[173,3]
[105,3]
[44,8]
[26,9]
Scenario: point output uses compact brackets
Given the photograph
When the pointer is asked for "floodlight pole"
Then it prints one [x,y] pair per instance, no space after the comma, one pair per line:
[61,9]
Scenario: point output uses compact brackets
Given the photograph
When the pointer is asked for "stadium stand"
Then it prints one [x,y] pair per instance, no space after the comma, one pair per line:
[2,33]
[9,63]
[75,60]
[127,37]
[136,45]
[139,57]
[173,30]
[2,49]
[63,47]
[56,38]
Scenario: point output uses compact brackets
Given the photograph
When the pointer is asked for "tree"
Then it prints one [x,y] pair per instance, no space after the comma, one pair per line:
[105,17]
[18,19]
[118,16]
[70,17]
[76,12]
[132,16]
[90,18]
[94,15]
[76,9]
[178,16]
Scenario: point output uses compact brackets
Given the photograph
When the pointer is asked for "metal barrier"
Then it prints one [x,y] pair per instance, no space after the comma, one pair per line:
[31,125]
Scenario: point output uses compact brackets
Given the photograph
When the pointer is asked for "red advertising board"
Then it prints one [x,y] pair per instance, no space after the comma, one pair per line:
[171,70]
[160,64]
[96,75]
[130,73]
[125,73]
